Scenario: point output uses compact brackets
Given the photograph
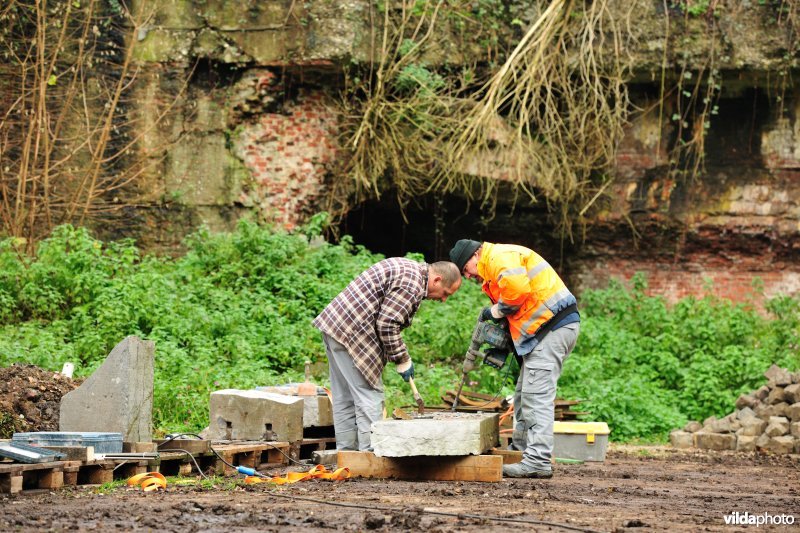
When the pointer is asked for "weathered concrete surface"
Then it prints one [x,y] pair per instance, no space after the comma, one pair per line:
[117,397]
[255,415]
[436,434]
[317,409]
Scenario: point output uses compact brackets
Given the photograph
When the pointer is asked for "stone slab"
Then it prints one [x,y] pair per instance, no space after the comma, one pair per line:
[117,397]
[317,408]
[255,415]
[436,434]
[681,439]
[714,441]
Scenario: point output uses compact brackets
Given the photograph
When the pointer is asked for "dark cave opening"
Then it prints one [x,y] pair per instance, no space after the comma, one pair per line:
[433,223]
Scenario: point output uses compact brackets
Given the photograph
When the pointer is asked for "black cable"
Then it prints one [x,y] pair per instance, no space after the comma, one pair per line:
[502,384]
[439,513]
[173,436]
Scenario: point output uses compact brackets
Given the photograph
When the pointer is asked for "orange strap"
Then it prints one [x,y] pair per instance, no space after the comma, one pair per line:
[318,472]
[509,412]
[149,481]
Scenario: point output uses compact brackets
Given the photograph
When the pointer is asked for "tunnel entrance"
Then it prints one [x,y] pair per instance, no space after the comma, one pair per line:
[433,223]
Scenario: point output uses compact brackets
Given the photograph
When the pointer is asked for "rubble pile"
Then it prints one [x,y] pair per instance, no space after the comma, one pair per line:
[766,420]
[30,398]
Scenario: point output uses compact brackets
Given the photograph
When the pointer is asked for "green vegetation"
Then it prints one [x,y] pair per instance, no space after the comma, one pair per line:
[235,312]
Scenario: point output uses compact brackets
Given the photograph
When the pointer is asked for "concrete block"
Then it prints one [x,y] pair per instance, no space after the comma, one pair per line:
[745,443]
[317,409]
[775,395]
[764,412]
[780,445]
[780,376]
[723,425]
[437,434]
[793,412]
[791,393]
[745,400]
[255,415]
[752,427]
[778,426]
[117,397]
[681,439]
[714,441]
[692,426]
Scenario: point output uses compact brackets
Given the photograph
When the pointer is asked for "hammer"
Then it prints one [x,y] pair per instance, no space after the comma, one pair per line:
[417,397]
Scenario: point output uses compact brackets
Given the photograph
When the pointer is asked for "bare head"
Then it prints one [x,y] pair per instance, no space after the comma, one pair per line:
[444,279]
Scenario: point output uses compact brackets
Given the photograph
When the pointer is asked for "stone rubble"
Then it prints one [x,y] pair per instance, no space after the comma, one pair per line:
[765,420]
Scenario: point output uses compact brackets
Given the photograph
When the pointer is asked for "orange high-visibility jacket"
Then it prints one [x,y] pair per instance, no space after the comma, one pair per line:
[526,288]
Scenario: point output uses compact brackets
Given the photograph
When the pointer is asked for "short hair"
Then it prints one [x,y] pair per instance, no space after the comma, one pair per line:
[448,270]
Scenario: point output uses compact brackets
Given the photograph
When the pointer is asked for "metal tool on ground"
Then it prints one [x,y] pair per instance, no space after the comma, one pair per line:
[491,343]
[417,397]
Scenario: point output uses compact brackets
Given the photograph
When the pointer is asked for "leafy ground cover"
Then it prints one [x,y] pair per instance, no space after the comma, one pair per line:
[235,312]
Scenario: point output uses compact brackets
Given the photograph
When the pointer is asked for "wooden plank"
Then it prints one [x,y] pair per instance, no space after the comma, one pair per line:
[488,468]
[193,446]
[509,456]
[138,447]
[74,453]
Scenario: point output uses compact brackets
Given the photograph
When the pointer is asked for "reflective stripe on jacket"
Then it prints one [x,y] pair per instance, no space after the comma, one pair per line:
[526,289]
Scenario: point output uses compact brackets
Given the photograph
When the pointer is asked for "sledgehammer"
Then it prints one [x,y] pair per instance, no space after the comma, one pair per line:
[420,403]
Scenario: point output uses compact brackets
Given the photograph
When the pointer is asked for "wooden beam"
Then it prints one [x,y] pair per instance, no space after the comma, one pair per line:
[438,468]
[509,456]
[74,453]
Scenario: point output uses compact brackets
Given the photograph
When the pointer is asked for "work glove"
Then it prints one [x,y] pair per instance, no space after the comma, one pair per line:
[406,370]
[486,315]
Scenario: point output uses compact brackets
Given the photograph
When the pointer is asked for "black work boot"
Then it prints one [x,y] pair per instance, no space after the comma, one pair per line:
[523,470]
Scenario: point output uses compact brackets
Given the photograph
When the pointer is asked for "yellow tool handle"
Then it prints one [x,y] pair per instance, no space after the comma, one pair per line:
[414,388]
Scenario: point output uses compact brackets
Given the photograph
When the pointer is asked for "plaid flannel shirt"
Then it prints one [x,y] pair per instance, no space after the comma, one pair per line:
[369,314]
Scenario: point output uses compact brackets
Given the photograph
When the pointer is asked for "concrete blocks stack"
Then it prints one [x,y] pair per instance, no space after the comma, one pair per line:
[766,420]
[437,434]
[255,415]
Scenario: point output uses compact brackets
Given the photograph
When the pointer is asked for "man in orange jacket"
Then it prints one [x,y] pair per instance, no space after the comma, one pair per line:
[544,323]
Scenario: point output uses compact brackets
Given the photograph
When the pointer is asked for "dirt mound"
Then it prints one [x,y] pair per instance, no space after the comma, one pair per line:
[30,398]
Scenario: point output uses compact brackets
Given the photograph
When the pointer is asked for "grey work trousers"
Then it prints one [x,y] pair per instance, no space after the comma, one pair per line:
[534,398]
[356,405]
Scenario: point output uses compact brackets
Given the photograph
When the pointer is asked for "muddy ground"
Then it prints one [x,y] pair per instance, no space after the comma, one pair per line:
[636,489]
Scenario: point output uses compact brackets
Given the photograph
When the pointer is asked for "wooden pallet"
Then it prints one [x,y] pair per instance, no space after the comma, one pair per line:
[17,477]
[252,454]
[439,468]
[303,449]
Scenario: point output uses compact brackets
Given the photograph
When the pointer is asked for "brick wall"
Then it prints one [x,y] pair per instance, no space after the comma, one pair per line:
[676,281]
[287,153]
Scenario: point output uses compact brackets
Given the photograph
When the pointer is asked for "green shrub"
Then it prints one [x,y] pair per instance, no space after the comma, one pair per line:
[235,312]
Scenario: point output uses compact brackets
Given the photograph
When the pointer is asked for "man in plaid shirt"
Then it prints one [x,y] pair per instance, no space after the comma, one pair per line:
[361,331]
